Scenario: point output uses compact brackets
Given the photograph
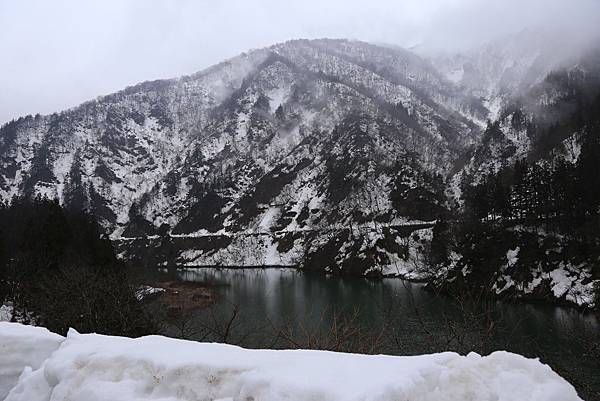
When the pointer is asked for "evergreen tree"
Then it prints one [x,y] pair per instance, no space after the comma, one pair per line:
[57,264]
[588,171]
[74,191]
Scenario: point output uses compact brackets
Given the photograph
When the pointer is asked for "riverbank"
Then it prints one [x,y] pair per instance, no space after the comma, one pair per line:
[539,297]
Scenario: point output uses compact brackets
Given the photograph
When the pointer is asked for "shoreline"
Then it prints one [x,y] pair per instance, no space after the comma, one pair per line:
[556,302]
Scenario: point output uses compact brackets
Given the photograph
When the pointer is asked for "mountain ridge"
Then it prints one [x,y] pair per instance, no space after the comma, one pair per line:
[332,154]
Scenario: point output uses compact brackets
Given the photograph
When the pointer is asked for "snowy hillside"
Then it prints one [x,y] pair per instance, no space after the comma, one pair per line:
[333,155]
[39,365]
[301,148]
[498,71]
[533,180]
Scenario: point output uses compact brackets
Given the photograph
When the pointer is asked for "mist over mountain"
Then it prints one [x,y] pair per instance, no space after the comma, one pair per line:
[54,49]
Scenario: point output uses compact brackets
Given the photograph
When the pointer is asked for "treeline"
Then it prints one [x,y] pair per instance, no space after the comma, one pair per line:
[544,190]
[546,186]
[58,270]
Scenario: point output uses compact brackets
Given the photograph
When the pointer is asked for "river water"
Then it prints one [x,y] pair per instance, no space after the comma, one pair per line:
[391,315]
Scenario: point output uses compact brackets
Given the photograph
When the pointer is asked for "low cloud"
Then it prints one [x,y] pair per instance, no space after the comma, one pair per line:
[56,54]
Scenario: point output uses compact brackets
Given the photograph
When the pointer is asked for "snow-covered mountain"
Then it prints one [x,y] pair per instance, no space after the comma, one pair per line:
[533,177]
[527,126]
[333,154]
[509,66]
[300,138]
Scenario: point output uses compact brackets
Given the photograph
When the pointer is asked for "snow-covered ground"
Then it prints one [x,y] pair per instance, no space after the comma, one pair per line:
[6,312]
[22,349]
[92,367]
[146,291]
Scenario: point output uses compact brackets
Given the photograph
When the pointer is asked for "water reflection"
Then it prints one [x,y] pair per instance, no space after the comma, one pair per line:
[290,294]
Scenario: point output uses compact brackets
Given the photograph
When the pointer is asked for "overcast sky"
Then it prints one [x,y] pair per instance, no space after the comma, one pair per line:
[54,54]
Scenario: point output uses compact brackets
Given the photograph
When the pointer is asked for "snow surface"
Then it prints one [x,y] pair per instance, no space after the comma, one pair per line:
[21,347]
[6,312]
[92,367]
[146,290]
[572,283]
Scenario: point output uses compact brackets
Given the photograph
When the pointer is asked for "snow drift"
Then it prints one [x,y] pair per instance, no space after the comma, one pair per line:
[91,367]
[23,347]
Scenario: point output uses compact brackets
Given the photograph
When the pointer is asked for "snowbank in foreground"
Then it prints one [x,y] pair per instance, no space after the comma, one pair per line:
[92,368]
[20,347]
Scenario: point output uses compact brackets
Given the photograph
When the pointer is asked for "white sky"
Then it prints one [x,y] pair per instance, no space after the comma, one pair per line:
[56,54]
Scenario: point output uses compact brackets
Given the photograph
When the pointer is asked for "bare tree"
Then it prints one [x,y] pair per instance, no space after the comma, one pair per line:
[341,332]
